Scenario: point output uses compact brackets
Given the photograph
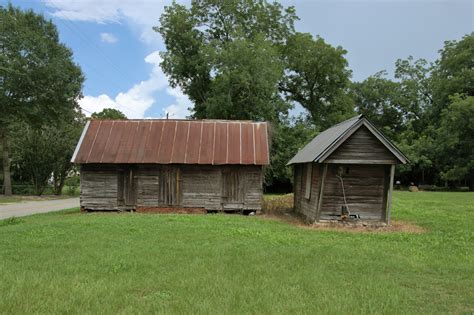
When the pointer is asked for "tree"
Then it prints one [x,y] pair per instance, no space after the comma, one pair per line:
[454,140]
[224,56]
[379,99]
[317,77]
[44,153]
[109,113]
[289,136]
[453,73]
[63,140]
[40,81]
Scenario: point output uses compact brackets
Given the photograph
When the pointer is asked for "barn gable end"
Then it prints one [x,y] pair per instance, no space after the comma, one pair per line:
[362,147]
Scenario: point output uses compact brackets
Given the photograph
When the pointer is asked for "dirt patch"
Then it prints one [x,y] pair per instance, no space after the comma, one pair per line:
[354,227]
[171,210]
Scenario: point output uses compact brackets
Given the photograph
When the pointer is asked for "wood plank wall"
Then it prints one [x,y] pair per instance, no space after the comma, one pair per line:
[306,207]
[365,187]
[364,147]
[197,186]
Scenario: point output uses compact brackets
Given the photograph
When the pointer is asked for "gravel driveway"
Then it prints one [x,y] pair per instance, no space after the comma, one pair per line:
[32,207]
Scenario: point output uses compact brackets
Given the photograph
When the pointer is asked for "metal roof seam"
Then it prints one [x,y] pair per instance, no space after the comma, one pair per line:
[227,144]
[93,142]
[253,138]
[136,132]
[240,142]
[200,142]
[214,145]
[186,147]
[146,139]
[174,139]
[107,142]
[161,139]
[266,141]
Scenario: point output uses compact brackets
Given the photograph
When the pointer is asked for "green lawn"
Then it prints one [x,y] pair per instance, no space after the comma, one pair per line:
[136,263]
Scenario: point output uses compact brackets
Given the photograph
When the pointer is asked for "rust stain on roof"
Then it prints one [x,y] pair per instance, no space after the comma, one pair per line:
[174,142]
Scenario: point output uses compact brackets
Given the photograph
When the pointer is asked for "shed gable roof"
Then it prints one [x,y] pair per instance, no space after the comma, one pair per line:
[173,142]
[324,144]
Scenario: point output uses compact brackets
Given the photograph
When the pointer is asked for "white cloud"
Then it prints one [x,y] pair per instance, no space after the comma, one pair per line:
[137,99]
[181,108]
[140,16]
[108,38]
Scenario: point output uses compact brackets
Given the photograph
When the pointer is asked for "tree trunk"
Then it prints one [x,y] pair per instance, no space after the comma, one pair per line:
[7,182]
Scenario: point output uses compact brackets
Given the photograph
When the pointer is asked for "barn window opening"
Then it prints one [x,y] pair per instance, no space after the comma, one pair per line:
[309,171]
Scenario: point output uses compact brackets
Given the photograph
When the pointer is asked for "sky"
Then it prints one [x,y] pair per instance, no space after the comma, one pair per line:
[114,44]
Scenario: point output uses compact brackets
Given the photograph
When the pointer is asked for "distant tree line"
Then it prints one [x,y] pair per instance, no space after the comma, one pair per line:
[240,59]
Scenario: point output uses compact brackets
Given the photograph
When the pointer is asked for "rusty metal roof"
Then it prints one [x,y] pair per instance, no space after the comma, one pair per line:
[173,142]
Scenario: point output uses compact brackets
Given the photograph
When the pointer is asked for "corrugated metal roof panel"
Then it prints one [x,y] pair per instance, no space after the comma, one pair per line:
[247,143]
[173,142]
[206,152]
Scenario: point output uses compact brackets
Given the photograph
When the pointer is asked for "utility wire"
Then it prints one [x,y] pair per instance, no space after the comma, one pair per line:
[74,28]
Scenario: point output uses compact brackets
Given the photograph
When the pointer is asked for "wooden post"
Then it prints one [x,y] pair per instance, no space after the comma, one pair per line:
[389,193]
[321,192]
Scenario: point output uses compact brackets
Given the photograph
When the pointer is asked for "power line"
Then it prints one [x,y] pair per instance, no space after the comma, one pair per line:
[73,27]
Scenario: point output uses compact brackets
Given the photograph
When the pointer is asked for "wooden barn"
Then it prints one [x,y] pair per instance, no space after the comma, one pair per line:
[172,165]
[346,173]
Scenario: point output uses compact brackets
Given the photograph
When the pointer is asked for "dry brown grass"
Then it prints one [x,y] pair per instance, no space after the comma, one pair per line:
[274,204]
[280,207]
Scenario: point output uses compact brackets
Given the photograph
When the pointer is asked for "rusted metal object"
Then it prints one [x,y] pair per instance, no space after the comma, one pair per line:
[214,142]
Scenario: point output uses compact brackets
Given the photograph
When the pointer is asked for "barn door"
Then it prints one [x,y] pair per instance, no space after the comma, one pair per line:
[169,186]
[233,195]
[126,193]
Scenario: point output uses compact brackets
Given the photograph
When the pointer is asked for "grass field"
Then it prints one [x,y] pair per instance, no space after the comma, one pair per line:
[136,263]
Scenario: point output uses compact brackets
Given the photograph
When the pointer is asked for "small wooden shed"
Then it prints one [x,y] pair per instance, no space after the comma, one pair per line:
[346,173]
[171,165]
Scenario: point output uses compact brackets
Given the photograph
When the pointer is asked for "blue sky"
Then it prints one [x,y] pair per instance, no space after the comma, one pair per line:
[117,50]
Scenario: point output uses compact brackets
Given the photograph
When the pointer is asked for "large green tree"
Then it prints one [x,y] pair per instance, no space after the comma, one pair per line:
[454,144]
[453,73]
[40,81]
[379,99]
[224,55]
[317,77]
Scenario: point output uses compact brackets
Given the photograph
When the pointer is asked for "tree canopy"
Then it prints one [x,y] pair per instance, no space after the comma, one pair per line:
[109,113]
[40,81]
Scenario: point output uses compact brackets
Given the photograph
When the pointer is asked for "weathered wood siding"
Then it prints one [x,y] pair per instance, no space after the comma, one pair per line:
[194,186]
[365,187]
[362,147]
[303,205]
[99,188]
